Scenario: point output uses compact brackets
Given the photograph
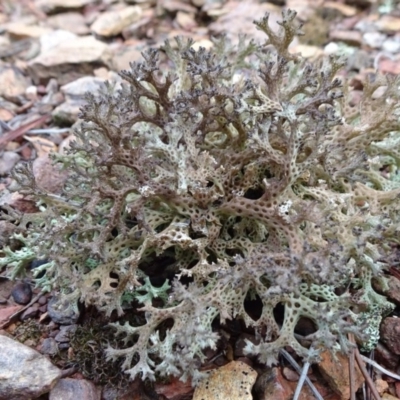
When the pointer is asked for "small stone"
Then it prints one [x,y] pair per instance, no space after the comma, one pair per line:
[48,176]
[72,389]
[393,293]
[381,386]
[54,39]
[13,83]
[374,39]
[74,92]
[388,24]
[42,300]
[185,20]
[70,60]
[390,332]
[62,311]
[30,312]
[54,333]
[271,385]
[124,55]
[7,162]
[385,357]
[290,375]
[43,309]
[18,31]
[112,23]
[352,38]
[24,372]
[49,347]
[69,21]
[391,45]
[52,6]
[66,331]
[22,293]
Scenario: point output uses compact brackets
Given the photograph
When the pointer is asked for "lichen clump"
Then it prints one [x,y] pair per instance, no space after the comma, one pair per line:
[214,176]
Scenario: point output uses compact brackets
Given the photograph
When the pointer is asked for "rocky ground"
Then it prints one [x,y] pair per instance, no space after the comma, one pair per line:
[51,53]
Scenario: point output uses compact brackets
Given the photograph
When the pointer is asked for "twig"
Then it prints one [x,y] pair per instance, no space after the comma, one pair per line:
[368,379]
[12,317]
[380,368]
[297,367]
[300,384]
[352,371]
[48,131]
[16,133]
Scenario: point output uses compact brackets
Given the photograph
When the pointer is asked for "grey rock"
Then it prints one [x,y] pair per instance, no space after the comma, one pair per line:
[374,39]
[7,161]
[54,39]
[66,331]
[62,311]
[24,372]
[74,92]
[70,60]
[49,346]
[70,21]
[73,389]
[52,6]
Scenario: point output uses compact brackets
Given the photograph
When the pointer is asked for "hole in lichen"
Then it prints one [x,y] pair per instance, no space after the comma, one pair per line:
[305,326]
[115,276]
[156,265]
[161,227]
[279,313]
[253,305]
[234,252]
[254,194]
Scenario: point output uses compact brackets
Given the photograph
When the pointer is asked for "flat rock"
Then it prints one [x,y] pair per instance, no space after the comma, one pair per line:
[7,312]
[55,38]
[124,55]
[336,373]
[233,381]
[52,6]
[112,23]
[13,83]
[70,60]
[24,372]
[69,21]
[18,30]
[30,312]
[73,389]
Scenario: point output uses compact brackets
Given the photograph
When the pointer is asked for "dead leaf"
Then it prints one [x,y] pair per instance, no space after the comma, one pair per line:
[42,146]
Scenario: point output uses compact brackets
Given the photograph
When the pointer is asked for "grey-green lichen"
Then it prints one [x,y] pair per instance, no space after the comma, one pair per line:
[212,175]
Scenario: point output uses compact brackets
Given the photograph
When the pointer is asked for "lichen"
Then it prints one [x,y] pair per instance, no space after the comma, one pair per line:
[213,175]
